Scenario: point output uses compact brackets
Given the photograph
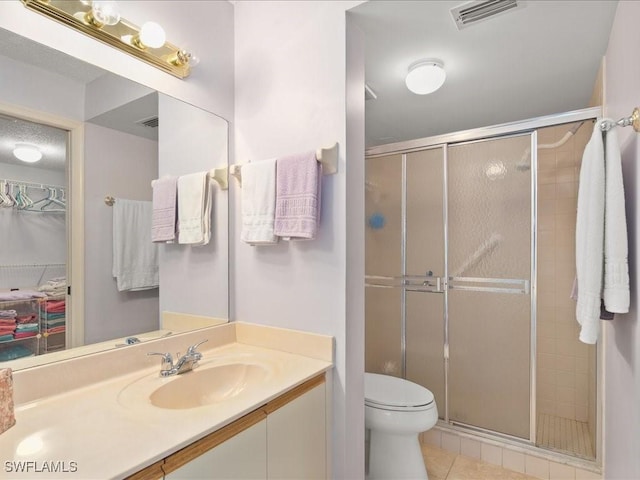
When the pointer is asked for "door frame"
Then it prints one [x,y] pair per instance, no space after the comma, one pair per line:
[74,336]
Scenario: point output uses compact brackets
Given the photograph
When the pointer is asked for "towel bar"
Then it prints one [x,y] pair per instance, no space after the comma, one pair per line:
[633,120]
[219,175]
[328,157]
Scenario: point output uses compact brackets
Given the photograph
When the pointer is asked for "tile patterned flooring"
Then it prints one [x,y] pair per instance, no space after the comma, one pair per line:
[445,465]
[565,435]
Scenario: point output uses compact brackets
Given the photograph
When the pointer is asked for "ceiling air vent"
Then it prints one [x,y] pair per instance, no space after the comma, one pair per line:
[151,122]
[477,11]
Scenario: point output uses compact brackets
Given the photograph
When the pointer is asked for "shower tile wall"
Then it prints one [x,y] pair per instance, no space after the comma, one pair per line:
[566,366]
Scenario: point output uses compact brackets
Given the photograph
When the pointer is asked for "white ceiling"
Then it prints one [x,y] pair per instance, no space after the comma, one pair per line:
[537,60]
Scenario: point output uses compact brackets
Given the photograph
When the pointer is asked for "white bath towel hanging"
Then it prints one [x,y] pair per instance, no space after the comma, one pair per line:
[616,268]
[590,237]
[259,202]
[135,256]
[194,209]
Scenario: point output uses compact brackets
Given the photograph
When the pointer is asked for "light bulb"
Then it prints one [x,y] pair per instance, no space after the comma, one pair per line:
[27,153]
[105,12]
[425,76]
[152,35]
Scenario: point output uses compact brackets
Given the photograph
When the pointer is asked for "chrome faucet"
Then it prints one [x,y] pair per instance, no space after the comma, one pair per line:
[185,363]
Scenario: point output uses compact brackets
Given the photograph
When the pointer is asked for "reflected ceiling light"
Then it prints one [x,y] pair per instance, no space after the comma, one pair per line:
[425,76]
[101,20]
[151,35]
[27,153]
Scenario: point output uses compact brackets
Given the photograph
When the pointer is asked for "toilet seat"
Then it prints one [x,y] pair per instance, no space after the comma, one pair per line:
[396,394]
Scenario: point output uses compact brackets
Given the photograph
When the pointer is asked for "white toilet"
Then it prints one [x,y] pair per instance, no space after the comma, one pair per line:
[396,411]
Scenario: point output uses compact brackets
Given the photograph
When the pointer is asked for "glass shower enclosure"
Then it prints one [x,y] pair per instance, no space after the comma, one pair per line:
[449,256]
[470,257]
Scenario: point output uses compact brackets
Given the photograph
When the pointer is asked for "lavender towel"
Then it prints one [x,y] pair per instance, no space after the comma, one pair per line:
[298,185]
[163,228]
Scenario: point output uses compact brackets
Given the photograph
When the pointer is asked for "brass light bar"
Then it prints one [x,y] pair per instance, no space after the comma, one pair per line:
[123,35]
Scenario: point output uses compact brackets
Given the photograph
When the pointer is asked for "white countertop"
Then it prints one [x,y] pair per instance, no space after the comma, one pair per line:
[98,431]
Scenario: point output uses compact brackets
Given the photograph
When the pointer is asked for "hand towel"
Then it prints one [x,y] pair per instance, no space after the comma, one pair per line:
[135,257]
[590,237]
[165,192]
[259,202]
[7,415]
[616,269]
[298,181]
[194,209]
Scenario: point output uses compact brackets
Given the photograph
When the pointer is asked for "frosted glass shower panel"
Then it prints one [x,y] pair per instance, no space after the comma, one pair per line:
[383,311]
[489,361]
[425,343]
[489,302]
[383,216]
[489,184]
[425,216]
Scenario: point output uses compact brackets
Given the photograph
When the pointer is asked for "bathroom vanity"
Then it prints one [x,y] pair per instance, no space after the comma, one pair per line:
[255,407]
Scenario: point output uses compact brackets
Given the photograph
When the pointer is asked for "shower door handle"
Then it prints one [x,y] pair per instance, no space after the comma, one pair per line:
[428,284]
[491,285]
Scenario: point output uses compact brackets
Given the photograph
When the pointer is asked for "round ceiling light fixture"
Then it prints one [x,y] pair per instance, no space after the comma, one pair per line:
[27,153]
[425,76]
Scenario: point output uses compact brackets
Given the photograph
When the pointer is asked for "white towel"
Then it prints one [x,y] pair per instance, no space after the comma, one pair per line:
[259,202]
[194,209]
[616,268]
[135,256]
[590,237]
[164,209]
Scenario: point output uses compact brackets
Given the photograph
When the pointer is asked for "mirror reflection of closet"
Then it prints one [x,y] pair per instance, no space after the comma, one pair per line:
[33,235]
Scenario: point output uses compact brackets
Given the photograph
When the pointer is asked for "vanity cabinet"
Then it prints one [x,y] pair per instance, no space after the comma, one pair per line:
[283,439]
[296,437]
[241,457]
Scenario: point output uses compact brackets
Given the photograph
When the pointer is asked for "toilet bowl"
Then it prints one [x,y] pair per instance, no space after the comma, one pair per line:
[396,411]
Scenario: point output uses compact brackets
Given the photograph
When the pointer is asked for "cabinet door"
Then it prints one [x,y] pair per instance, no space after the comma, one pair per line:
[241,457]
[296,438]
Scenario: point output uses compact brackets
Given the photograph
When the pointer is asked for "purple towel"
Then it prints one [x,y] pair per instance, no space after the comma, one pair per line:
[298,184]
[163,228]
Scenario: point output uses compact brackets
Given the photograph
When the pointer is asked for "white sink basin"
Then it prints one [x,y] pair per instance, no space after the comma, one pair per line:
[211,385]
[208,384]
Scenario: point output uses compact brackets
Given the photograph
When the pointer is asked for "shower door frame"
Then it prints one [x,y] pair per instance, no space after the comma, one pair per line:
[529,126]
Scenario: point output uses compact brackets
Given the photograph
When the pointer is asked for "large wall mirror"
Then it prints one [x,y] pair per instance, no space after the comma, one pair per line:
[100,136]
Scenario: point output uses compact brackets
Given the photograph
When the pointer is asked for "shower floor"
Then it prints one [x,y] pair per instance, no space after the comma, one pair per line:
[564,434]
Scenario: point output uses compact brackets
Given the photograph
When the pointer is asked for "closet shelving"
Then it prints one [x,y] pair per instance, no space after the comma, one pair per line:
[24,346]
[51,326]
[52,321]
[18,195]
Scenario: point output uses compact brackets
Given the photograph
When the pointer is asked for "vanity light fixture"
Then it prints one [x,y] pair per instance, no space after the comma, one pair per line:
[102,21]
[102,13]
[151,35]
[27,153]
[425,76]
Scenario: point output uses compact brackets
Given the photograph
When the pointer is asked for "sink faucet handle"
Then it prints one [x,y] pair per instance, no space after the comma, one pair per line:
[167,359]
[192,348]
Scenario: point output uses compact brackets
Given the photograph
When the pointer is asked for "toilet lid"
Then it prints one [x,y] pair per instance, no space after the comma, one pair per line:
[394,392]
